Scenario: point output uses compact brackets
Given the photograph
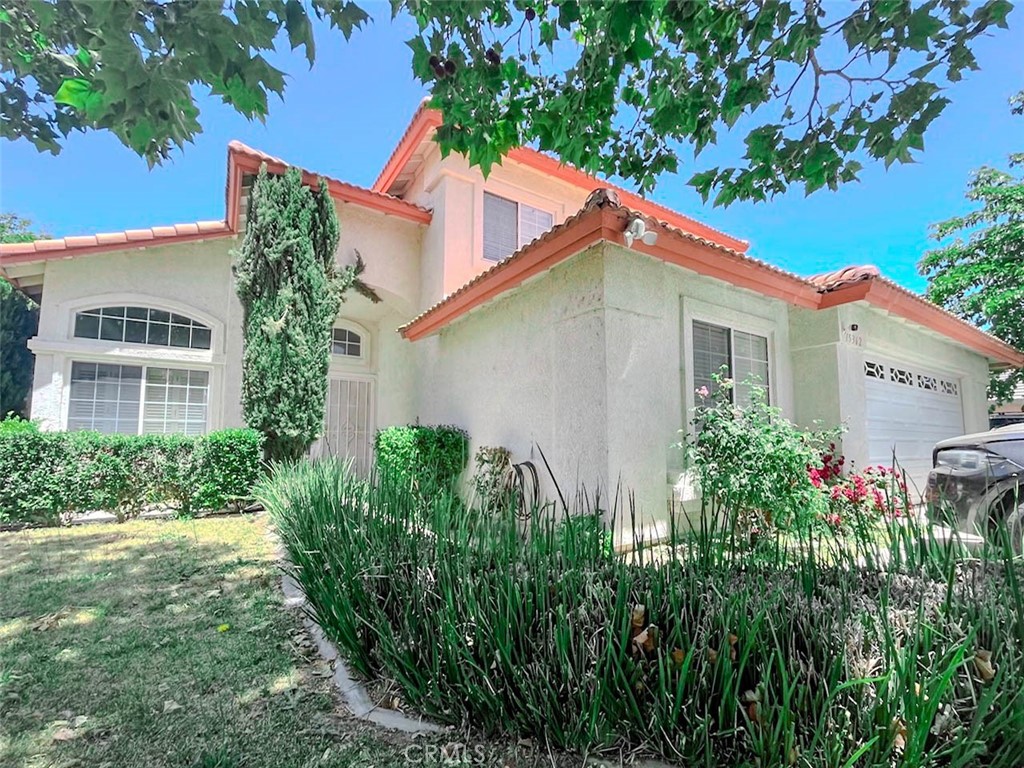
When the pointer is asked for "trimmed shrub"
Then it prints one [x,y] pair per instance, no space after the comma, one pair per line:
[50,475]
[14,424]
[426,458]
[887,654]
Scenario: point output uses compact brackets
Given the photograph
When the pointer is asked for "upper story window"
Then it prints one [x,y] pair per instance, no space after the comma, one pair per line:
[742,356]
[142,325]
[346,343]
[509,225]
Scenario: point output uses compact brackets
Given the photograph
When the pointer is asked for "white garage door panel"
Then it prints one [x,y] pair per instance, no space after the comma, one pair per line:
[909,410]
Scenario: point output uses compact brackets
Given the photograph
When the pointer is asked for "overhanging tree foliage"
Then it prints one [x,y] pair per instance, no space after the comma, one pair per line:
[290,289]
[981,278]
[619,87]
[19,318]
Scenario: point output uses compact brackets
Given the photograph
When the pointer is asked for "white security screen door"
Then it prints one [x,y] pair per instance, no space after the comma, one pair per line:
[349,422]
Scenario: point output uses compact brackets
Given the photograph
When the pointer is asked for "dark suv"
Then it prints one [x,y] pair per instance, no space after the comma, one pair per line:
[977,484]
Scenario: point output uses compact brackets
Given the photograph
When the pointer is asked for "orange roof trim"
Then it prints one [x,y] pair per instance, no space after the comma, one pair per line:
[603,218]
[425,120]
[865,283]
[241,160]
[67,247]
[249,160]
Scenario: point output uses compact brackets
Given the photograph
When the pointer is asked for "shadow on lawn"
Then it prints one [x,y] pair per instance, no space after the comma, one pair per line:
[150,645]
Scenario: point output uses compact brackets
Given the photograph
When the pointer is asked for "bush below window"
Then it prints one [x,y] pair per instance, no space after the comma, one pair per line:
[51,475]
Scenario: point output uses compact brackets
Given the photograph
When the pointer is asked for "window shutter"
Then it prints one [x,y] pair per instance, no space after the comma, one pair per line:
[533,223]
[500,227]
[711,351]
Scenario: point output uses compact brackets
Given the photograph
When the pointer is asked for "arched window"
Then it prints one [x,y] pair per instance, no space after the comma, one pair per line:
[142,325]
[347,343]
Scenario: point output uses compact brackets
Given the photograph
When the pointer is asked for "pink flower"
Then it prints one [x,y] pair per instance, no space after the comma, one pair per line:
[703,392]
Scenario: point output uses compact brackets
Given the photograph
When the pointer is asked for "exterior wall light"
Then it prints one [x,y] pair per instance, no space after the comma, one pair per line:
[636,229]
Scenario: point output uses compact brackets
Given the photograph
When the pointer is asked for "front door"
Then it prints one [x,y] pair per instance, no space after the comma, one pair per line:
[349,421]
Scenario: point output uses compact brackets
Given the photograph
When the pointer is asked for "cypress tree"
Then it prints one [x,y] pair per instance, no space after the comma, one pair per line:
[290,289]
[19,318]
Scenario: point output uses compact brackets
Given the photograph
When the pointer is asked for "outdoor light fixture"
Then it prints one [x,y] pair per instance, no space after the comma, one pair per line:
[636,229]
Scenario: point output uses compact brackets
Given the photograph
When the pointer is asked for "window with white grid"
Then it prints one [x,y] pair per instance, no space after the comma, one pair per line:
[105,397]
[509,225]
[135,399]
[175,402]
[738,355]
[142,325]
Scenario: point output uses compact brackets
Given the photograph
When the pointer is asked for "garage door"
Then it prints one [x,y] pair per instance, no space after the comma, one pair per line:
[909,409]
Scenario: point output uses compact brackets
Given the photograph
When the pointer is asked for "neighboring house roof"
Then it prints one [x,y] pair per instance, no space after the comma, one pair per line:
[242,160]
[426,120]
[604,218]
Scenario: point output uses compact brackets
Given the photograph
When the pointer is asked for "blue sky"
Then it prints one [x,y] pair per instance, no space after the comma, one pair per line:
[344,117]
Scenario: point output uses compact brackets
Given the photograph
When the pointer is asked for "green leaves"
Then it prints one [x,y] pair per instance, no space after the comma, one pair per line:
[78,93]
[290,289]
[629,87]
[129,67]
[981,278]
[626,89]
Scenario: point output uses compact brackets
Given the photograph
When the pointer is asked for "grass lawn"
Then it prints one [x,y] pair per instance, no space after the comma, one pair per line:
[166,644]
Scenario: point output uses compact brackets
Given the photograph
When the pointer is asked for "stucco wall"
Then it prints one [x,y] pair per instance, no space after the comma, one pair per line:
[453,243]
[195,279]
[586,361]
[651,306]
[527,370]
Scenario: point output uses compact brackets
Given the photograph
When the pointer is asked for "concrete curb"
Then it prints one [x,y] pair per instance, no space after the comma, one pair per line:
[353,693]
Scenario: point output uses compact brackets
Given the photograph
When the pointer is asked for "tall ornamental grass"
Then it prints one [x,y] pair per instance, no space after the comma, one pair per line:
[887,647]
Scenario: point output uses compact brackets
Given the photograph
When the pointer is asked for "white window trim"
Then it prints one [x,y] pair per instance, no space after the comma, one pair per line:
[343,362]
[68,348]
[213,372]
[735,321]
[71,310]
[520,197]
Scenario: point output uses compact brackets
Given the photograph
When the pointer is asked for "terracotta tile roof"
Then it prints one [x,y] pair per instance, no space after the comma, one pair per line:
[866,282]
[426,119]
[341,190]
[66,247]
[829,281]
[241,159]
[608,200]
[858,283]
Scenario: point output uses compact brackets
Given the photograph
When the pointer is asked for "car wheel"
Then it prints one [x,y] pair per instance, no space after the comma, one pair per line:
[1006,522]
[1015,528]
[1014,522]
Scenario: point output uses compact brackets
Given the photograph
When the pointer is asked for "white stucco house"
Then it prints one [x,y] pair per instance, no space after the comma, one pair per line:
[514,307]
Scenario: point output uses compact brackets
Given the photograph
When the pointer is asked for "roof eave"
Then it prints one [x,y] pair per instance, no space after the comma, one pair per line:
[884,295]
[246,162]
[606,223]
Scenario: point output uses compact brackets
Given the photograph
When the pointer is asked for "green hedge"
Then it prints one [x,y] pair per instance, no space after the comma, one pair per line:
[49,475]
[422,457]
